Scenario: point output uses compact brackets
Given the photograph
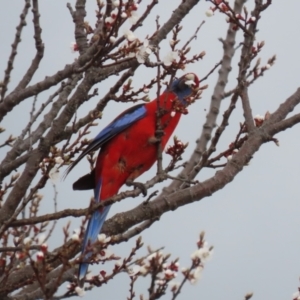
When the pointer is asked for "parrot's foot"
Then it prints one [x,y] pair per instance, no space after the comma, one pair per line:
[139,185]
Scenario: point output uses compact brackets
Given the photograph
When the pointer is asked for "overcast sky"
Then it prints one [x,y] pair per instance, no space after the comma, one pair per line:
[253,222]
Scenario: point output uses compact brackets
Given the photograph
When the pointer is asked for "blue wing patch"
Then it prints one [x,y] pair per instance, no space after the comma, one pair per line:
[123,121]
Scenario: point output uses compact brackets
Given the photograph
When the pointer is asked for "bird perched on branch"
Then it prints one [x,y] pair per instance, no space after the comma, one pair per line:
[129,147]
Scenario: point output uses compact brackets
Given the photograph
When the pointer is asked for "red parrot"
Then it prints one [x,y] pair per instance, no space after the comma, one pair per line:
[128,149]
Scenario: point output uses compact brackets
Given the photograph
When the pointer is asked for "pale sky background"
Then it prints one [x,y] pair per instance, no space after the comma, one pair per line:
[253,222]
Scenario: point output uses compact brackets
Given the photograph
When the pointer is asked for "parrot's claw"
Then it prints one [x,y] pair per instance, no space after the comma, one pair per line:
[139,185]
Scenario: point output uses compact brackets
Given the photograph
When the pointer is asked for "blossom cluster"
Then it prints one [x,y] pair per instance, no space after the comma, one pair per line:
[165,272]
[177,149]
[232,17]
[33,247]
[130,13]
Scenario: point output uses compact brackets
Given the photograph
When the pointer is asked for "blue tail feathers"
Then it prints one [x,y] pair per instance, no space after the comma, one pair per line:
[93,229]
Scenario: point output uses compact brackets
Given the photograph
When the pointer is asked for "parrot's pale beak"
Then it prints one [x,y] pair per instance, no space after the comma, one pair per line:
[190,80]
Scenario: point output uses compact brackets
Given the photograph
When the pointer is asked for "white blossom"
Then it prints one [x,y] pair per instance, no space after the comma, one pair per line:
[268,66]
[143,270]
[103,239]
[112,39]
[171,57]
[171,42]
[40,255]
[259,117]
[155,255]
[134,270]
[58,160]
[54,175]
[18,255]
[44,247]
[114,13]
[204,254]
[183,269]
[174,285]
[123,15]
[143,53]
[196,274]
[109,20]
[38,197]
[41,239]
[133,18]
[170,274]
[75,235]
[80,292]
[159,282]
[89,276]
[129,35]
[27,241]
[119,263]
[131,54]
[116,3]
[104,254]
[73,47]
[209,13]
[76,230]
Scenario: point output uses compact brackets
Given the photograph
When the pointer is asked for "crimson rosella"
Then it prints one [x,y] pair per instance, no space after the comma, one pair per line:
[128,149]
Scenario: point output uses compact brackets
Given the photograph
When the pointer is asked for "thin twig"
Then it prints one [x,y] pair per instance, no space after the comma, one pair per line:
[132,232]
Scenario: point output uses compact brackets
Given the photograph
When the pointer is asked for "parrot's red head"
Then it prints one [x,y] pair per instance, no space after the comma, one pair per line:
[184,86]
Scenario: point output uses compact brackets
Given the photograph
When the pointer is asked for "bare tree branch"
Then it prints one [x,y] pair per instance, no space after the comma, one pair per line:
[247,109]
[38,45]
[14,49]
